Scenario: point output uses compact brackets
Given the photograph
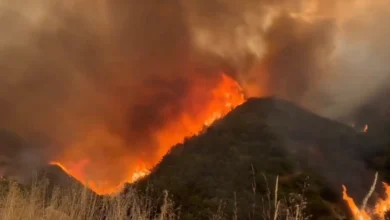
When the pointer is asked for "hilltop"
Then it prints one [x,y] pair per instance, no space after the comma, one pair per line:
[21,160]
[259,140]
[218,169]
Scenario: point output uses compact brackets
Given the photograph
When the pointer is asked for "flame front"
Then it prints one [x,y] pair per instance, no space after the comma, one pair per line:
[356,212]
[379,211]
[89,160]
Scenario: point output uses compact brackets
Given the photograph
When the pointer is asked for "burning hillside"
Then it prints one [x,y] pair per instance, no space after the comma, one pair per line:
[264,137]
[87,163]
[113,85]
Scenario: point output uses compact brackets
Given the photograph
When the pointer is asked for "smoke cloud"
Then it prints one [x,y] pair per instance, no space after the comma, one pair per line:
[328,56]
[95,78]
[98,79]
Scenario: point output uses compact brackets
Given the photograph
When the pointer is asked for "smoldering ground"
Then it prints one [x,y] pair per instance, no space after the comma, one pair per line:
[99,78]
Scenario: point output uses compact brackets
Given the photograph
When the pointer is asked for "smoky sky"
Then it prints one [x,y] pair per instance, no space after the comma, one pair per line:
[328,56]
[76,69]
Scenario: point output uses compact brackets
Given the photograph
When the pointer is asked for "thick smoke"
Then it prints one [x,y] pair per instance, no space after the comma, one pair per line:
[329,56]
[97,79]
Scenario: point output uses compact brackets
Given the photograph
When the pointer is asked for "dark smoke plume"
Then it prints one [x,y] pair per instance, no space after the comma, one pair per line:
[94,73]
[103,76]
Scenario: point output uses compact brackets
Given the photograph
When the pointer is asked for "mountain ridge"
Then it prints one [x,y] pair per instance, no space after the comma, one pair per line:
[268,137]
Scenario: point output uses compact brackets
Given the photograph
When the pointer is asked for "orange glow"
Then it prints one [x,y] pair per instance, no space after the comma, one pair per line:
[356,212]
[224,97]
[379,210]
[383,205]
[139,174]
[100,161]
[365,129]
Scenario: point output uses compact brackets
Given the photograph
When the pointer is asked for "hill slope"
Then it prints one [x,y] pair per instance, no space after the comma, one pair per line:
[262,136]
[22,160]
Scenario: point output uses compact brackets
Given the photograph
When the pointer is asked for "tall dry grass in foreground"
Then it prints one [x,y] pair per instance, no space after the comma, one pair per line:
[291,208]
[77,203]
[39,201]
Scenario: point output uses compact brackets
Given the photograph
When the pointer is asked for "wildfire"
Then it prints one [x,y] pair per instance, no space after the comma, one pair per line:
[90,160]
[139,174]
[356,212]
[379,211]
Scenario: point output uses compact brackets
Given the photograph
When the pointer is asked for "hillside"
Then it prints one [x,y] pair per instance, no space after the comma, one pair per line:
[263,138]
[21,160]
[247,149]
[57,177]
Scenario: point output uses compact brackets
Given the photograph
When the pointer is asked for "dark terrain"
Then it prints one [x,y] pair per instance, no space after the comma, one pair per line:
[265,138]
[247,149]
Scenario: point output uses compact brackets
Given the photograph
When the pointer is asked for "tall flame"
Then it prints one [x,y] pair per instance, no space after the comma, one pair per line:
[95,171]
[356,212]
[382,206]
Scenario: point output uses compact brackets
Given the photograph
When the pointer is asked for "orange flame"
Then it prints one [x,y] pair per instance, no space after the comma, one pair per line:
[90,160]
[381,207]
[356,212]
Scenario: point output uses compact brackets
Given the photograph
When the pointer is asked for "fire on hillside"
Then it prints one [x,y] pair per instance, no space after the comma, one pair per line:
[90,169]
[108,88]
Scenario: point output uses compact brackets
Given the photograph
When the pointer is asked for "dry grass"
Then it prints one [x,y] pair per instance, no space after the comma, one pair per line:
[78,203]
[291,208]
[272,207]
